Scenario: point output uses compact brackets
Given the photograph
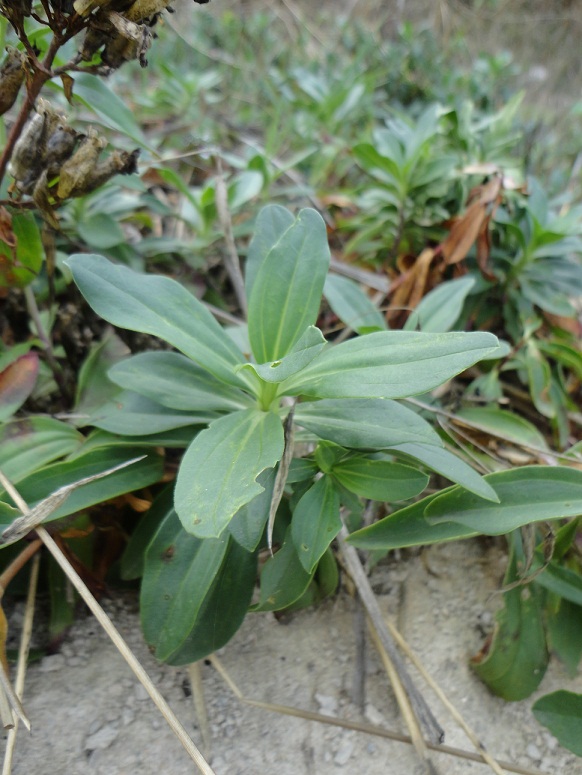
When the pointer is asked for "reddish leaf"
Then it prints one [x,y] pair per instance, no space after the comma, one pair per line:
[17,382]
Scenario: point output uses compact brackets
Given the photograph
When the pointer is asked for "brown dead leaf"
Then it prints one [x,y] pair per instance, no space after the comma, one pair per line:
[6,233]
[413,285]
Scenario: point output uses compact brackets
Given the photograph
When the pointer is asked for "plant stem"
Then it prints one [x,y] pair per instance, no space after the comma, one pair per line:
[34,313]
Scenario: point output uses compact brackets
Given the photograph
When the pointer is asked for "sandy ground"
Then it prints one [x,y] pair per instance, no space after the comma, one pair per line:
[90,715]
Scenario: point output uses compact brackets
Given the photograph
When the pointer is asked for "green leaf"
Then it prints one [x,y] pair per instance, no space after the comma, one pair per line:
[539,378]
[448,465]
[515,661]
[271,222]
[316,522]
[503,424]
[283,578]
[440,309]
[286,293]
[390,364]
[309,345]
[526,495]
[62,602]
[96,95]
[133,558]
[561,580]
[29,444]
[17,382]
[21,261]
[174,381]
[565,634]
[327,454]
[301,469]
[561,713]
[180,438]
[408,527]
[194,592]
[159,306]
[365,424]
[43,483]
[351,305]
[379,480]
[94,387]
[101,231]
[219,470]
[248,524]
[133,415]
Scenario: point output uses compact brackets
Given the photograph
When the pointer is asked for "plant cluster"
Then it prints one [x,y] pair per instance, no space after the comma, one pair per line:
[288,429]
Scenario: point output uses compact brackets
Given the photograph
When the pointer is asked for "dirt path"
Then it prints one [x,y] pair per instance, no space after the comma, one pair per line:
[89,714]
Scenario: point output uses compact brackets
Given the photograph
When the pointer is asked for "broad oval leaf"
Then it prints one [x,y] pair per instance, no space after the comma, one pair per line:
[380,480]
[195,593]
[159,306]
[218,473]
[316,522]
[17,382]
[561,713]
[133,558]
[21,260]
[248,524]
[272,221]
[174,381]
[514,662]
[390,364]
[365,424]
[526,495]
[286,293]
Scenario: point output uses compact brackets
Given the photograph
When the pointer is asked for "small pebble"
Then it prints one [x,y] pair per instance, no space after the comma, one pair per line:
[102,739]
[533,752]
[327,704]
[52,664]
[374,716]
[343,753]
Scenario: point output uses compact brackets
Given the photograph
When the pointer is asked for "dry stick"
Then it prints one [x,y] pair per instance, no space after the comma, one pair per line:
[18,563]
[357,726]
[118,641]
[22,659]
[197,687]
[419,705]
[487,757]
[232,261]
[404,706]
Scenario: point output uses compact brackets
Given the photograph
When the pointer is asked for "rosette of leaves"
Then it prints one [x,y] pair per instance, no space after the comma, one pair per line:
[242,483]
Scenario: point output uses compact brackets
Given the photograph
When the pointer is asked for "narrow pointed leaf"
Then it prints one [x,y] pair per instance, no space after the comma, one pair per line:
[380,480]
[390,364]
[439,310]
[283,578]
[365,424]
[316,522]
[159,306]
[526,495]
[448,465]
[351,305]
[302,353]
[29,444]
[287,289]
[174,381]
[219,470]
[408,527]
[133,415]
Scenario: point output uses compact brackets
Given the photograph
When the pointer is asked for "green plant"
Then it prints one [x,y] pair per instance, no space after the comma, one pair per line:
[339,398]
